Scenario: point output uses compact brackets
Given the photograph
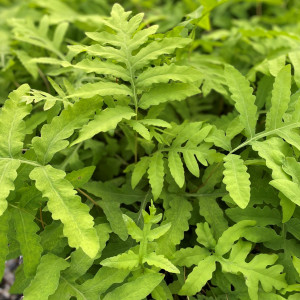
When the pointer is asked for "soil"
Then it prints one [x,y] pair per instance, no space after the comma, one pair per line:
[8,280]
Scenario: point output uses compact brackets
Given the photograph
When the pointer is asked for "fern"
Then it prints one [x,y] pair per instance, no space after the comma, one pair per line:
[137,162]
[67,207]
[254,272]
[236,179]
[131,64]
[53,136]
[11,137]
[50,267]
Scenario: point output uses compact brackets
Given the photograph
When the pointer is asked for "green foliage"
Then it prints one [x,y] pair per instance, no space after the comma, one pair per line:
[150,155]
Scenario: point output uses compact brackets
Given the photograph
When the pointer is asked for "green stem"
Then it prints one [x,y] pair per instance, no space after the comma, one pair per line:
[144,242]
[264,134]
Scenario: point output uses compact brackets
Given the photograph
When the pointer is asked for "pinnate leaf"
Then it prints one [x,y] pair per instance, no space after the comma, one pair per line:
[256,270]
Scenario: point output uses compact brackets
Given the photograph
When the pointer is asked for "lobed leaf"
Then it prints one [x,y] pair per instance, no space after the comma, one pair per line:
[106,120]
[48,271]
[237,180]
[243,97]
[8,174]
[54,135]
[231,235]
[29,240]
[190,256]
[162,93]
[156,174]
[280,98]
[127,261]
[199,276]
[4,250]
[66,206]
[163,74]
[178,216]
[12,125]
[176,167]
[137,289]
[161,262]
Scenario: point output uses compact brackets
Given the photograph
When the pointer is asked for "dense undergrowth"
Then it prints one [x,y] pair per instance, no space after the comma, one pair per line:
[150,156]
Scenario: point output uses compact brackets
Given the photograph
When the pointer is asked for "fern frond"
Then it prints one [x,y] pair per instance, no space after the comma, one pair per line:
[274,150]
[122,55]
[190,143]
[162,74]
[26,234]
[8,174]
[11,122]
[27,32]
[237,180]
[161,262]
[280,99]
[101,88]
[156,174]
[155,49]
[4,229]
[140,129]
[199,276]
[231,235]
[263,216]
[48,271]
[103,67]
[11,140]
[110,206]
[190,256]
[139,170]
[137,289]
[102,281]
[54,135]
[178,215]
[161,93]
[176,167]
[256,270]
[244,99]
[66,206]
[106,120]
